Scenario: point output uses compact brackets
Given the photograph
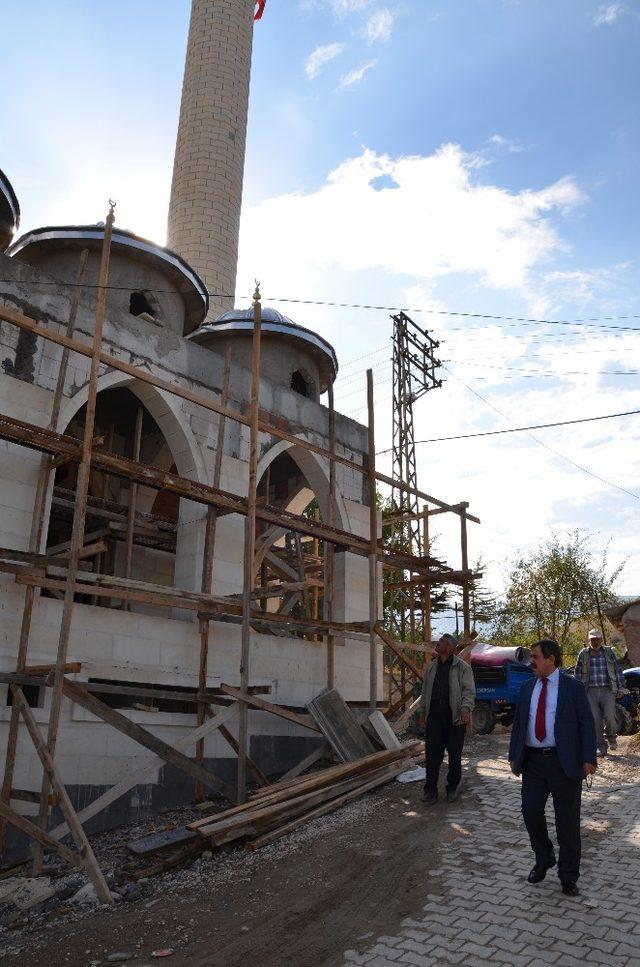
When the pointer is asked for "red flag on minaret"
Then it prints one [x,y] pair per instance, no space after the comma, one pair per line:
[260,4]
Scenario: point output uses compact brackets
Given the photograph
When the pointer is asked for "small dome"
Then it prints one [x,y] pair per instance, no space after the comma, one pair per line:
[9,212]
[277,327]
[37,246]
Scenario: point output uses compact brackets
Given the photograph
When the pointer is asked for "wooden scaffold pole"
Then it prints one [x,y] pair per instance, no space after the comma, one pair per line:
[466,610]
[133,498]
[373,552]
[35,539]
[329,550]
[77,534]
[207,571]
[249,547]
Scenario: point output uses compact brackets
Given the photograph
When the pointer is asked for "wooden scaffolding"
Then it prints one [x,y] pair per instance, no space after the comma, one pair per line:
[64,574]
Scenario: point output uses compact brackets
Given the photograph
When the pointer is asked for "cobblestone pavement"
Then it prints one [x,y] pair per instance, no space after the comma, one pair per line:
[478,906]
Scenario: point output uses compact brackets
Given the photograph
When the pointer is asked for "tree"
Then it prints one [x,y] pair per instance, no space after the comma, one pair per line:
[484,603]
[552,593]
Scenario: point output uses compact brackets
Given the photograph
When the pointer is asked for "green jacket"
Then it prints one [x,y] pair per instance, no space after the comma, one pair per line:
[582,668]
[462,688]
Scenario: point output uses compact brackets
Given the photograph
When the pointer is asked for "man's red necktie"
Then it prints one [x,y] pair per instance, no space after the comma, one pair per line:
[541,713]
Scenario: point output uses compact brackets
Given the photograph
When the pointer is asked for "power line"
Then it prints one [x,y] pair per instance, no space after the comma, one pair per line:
[540,443]
[376,308]
[524,429]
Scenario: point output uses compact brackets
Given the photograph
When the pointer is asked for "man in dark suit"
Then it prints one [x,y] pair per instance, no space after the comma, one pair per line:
[553,745]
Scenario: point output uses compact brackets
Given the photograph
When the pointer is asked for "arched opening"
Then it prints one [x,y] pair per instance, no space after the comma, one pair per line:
[289,566]
[123,426]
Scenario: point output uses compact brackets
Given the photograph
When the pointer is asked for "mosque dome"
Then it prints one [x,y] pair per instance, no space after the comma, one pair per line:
[9,212]
[290,352]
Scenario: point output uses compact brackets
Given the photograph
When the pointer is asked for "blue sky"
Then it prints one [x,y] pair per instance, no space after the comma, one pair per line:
[476,156]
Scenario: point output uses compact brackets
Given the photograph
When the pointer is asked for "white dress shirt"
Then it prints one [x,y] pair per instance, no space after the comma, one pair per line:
[550,721]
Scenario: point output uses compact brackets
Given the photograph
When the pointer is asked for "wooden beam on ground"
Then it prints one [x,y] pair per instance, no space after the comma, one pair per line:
[378,780]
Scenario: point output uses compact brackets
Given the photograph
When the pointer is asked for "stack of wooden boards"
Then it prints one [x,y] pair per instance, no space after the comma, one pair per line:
[276,810]
[282,807]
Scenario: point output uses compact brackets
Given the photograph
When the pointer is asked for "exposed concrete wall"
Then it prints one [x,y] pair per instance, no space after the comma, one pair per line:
[140,647]
[279,357]
[126,275]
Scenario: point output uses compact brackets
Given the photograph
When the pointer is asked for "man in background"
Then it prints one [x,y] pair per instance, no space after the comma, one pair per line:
[553,746]
[598,669]
[448,695]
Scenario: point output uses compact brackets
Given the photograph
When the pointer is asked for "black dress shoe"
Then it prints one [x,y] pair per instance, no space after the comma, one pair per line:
[570,888]
[430,798]
[538,873]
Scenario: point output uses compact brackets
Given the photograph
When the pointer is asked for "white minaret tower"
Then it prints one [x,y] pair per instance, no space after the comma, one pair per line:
[206,190]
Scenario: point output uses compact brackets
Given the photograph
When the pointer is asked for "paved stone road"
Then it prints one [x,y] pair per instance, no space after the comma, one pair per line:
[479,908]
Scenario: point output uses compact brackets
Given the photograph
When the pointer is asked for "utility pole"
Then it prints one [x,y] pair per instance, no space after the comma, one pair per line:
[414,374]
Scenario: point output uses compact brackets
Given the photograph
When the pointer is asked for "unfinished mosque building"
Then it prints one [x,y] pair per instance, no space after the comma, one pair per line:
[110,565]
[156,318]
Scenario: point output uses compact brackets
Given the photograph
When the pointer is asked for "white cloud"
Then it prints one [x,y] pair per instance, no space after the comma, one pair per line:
[510,145]
[354,76]
[451,223]
[378,27]
[608,13]
[321,56]
[344,7]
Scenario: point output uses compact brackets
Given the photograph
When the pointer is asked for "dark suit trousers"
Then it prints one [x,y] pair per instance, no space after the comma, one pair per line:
[440,735]
[543,775]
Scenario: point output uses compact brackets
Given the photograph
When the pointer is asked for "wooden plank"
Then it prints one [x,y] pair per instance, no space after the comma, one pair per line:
[133,497]
[34,832]
[249,544]
[145,772]
[55,780]
[339,725]
[38,438]
[323,750]
[373,783]
[166,839]
[284,713]
[383,730]
[233,823]
[78,526]
[207,564]
[329,550]
[373,553]
[251,766]
[333,773]
[142,736]
[397,648]
[30,325]
[72,667]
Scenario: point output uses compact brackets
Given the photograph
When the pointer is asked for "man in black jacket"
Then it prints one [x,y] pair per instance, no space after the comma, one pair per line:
[553,745]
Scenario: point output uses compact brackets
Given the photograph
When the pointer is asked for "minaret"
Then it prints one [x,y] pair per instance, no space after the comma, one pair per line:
[206,190]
